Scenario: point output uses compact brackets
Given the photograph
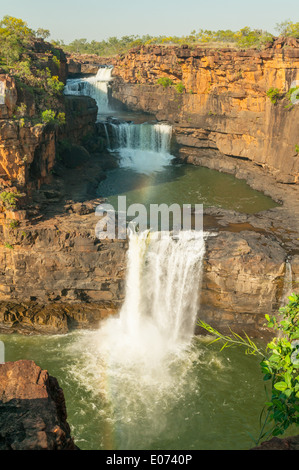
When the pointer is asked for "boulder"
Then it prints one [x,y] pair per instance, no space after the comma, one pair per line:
[32,409]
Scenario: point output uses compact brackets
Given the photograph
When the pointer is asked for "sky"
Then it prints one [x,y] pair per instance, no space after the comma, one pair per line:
[100,19]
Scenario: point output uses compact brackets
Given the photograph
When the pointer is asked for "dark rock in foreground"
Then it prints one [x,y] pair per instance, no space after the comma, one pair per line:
[288,443]
[32,409]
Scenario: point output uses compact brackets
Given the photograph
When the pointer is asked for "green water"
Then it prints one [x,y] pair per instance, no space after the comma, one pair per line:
[183,184]
[201,399]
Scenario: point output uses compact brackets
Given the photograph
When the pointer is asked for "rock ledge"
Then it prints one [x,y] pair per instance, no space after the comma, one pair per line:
[32,409]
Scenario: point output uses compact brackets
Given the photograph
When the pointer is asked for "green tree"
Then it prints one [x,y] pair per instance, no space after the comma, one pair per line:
[42,33]
[288,28]
[16,26]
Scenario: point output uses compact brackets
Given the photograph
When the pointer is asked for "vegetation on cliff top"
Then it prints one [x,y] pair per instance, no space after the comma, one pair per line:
[34,64]
[243,38]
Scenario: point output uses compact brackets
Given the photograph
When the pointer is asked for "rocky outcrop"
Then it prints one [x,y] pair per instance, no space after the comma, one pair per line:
[243,279]
[87,64]
[32,408]
[276,443]
[55,273]
[27,153]
[218,100]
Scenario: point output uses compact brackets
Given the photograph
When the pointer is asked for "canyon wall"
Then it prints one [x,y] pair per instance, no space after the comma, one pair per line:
[55,275]
[218,101]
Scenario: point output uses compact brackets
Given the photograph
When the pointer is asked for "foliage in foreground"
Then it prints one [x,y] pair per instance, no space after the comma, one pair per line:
[280,367]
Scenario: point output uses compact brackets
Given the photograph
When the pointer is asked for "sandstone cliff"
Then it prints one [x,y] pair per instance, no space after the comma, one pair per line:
[33,411]
[55,275]
[217,100]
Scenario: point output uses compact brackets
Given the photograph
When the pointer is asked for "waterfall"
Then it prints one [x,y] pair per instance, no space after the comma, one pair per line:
[161,301]
[142,147]
[96,87]
[107,136]
[155,137]
[143,362]
[287,284]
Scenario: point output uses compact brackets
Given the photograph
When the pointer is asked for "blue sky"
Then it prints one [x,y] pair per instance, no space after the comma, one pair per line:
[99,19]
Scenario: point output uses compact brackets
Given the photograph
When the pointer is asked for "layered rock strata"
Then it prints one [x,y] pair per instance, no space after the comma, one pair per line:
[217,100]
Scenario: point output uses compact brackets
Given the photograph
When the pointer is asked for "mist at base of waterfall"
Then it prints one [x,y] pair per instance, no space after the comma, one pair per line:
[200,398]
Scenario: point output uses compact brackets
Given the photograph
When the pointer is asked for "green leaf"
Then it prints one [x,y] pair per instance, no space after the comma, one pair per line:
[267,377]
[280,386]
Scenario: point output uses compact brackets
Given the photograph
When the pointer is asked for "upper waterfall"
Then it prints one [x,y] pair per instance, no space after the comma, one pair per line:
[96,87]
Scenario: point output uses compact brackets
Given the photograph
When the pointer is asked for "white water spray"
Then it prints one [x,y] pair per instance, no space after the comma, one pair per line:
[96,87]
[162,298]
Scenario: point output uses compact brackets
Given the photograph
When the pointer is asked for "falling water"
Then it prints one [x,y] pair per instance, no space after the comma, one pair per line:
[161,301]
[142,147]
[287,283]
[96,87]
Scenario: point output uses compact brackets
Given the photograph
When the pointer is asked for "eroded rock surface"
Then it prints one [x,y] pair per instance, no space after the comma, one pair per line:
[223,106]
[32,409]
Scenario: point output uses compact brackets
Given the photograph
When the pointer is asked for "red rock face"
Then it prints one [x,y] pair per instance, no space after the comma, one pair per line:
[32,408]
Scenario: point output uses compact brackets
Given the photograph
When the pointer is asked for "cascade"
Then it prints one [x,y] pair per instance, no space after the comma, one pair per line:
[144,148]
[162,297]
[287,283]
[96,87]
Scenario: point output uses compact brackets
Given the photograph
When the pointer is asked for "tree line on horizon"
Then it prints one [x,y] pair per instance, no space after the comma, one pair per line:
[15,35]
[243,38]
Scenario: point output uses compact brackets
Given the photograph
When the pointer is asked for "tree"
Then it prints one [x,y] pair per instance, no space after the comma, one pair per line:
[42,33]
[288,28]
[16,26]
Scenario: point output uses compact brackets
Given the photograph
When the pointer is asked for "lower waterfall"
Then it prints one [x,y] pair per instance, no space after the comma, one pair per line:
[161,301]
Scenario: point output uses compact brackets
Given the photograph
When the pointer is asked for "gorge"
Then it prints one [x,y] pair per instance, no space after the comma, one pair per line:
[211,136]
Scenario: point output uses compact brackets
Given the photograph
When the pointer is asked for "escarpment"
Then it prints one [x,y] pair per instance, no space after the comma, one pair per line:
[217,101]
[56,275]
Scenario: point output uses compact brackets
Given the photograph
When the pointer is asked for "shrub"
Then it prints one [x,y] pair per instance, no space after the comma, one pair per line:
[14,224]
[273,94]
[280,366]
[48,116]
[293,94]
[55,86]
[8,245]
[165,82]
[9,200]
[179,87]
[61,118]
